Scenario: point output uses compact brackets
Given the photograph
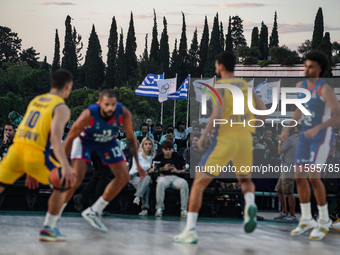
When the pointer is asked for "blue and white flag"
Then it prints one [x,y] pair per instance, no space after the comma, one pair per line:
[182,92]
[149,88]
[265,90]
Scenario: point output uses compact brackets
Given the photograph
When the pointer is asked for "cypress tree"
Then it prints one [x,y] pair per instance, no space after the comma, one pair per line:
[120,74]
[44,65]
[144,63]
[69,61]
[112,55]
[229,38]
[183,52]
[94,65]
[193,57]
[154,43]
[318,30]
[274,38]
[263,47]
[130,50]
[213,50]
[237,32]
[255,37]
[326,47]
[203,51]
[221,37]
[175,61]
[163,54]
[78,44]
[56,58]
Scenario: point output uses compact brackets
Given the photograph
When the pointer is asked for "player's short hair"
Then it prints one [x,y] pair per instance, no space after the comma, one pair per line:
[167,144]
[321,59]
[60,78]
[102,88]
[227,59]
[108,93]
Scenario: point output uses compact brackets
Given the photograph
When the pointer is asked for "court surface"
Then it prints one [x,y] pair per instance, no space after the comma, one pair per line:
[150,235]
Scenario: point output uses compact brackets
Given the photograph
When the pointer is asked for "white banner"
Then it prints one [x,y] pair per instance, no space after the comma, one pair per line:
[166,87]
[199,85]
[265,90]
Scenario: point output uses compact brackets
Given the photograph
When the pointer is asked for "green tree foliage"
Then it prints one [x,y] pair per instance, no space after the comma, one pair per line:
[120,74]
[214,49]
[326,47]
[78,45]
[164,52]
[221,37]
[30,57]
[183,53]
[175,61]
[130,51]
[10,102]
[305,47]
[204,45]
[154,43]
[69,61]
[45,65]
[94,66]
[229,38]
[248,56]
[79,99]
[112,55]
[193,58]
[264,41]
[10,45]
[144,61]
[56,58]
[318,30]
[255,38]
[237,32]
[274,38]
[284,56]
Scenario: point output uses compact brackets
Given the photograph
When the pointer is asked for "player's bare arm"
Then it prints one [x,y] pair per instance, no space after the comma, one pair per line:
[60,118]
[76,129]
[130,136]
[333,104]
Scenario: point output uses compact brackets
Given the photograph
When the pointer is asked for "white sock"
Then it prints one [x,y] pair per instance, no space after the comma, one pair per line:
[99,205]
[306,213]
[50,220]
[61,210]
[323,213]
[191,221]
[249,197]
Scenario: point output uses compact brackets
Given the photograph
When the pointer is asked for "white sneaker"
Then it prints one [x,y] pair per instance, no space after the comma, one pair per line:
[136,200]
[304,226]
[186,237]
[321,230]
[144,212]
[336,225]
[94,219]
[159,212]
[184,213]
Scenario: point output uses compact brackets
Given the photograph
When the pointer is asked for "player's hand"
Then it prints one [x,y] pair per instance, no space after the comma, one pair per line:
[141,172]
[69,175]
[310,133]
[167,167]
[31,183]
[202,143]
[284,135]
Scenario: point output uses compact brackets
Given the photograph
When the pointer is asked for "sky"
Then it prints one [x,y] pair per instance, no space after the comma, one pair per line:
[36,21]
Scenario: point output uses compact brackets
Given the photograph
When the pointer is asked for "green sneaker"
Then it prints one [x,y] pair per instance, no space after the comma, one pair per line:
[186,237]
[250,220]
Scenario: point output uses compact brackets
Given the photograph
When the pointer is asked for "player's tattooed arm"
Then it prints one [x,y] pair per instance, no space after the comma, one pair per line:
[78,126]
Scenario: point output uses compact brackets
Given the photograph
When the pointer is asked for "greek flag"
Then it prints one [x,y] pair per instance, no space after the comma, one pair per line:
[149,88]
[265,90]
[182,92]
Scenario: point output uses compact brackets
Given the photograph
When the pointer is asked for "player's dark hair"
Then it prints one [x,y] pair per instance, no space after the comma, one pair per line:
[159,125]
[167,144]
[60,77]
[227,59]
[108,93]
[321,59]
[102,88]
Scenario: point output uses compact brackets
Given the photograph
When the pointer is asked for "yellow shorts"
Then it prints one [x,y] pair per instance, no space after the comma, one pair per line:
[21,159]
[237,147]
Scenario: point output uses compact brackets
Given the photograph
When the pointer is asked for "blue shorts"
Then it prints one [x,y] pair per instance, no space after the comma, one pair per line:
[109,152]
[314,151]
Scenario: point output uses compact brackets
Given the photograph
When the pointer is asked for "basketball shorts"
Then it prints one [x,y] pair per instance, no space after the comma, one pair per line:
[21,159]
[237,147]
[109,152]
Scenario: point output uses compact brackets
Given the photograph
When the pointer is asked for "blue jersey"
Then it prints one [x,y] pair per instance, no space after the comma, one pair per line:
[99,129]
[316,106]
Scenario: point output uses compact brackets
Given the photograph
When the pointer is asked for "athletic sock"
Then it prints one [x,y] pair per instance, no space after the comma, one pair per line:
[306,213]
[249,197]
[99,205]
[191,221]
[50,220]
[323,213]
[62,209]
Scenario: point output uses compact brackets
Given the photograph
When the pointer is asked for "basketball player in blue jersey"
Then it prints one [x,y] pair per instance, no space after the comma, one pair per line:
[315,143]
[95,129]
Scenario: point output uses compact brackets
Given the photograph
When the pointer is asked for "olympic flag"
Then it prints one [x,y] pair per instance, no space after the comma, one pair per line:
[166,87]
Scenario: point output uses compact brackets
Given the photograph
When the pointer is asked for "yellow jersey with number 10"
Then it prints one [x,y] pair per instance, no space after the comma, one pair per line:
[34,129]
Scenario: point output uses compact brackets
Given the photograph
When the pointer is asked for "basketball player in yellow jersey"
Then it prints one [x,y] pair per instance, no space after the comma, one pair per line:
[42,126]
[229,143]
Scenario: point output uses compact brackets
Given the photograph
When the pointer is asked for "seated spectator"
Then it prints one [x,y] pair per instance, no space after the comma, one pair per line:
[144,133]
[145,156]
[194,122]
[256,143]
[179,131]
[196,130]
[268,135]
[15,118]
[276,138]
[192,155]
[158,134]
[121,133]
[7,139]
[168,136]
[271,150]
[151,126]
[170,165]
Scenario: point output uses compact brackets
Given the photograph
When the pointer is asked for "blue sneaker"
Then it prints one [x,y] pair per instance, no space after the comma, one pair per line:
[51,235]
[60,236]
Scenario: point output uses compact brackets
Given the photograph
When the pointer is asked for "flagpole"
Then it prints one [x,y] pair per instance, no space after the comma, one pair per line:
[199,113]
[188,100]
[162,106]
[173,123]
